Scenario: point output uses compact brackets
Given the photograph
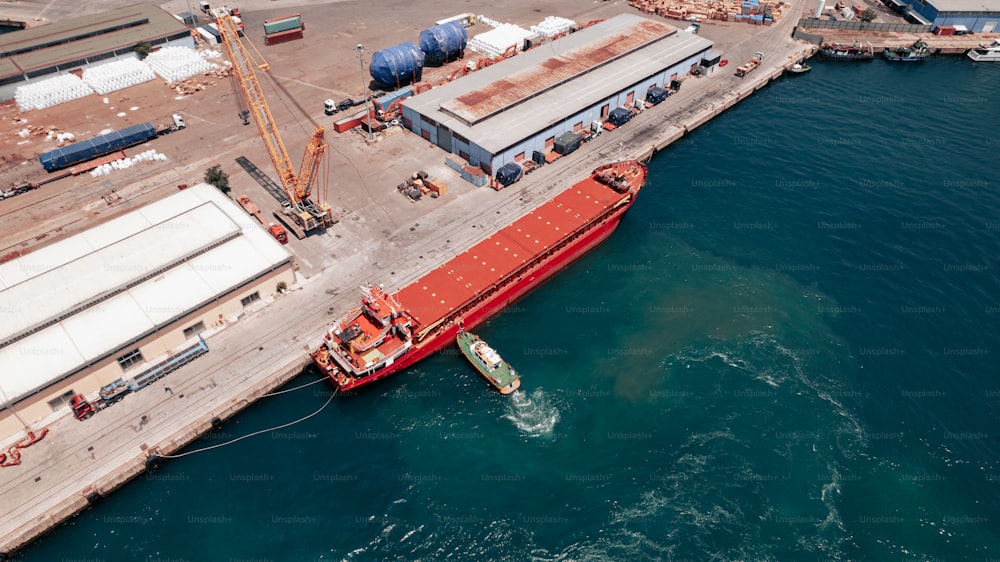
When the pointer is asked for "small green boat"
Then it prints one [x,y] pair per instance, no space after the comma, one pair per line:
[799,68]
[488,362]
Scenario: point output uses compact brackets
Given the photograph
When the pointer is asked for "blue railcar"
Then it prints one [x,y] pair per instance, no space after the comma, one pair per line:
[97,146]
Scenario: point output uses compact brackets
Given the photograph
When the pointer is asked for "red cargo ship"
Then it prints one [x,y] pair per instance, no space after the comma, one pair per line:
[389,333]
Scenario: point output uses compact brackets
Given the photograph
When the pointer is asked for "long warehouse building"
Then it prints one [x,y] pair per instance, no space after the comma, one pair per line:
[131,298]
[978,16]
[42,52]
[507,111]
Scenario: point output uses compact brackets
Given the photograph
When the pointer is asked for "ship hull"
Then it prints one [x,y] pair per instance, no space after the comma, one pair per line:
[502,298]
[845,54]
[477,284]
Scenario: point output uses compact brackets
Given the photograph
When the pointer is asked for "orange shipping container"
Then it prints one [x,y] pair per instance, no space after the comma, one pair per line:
[438,186]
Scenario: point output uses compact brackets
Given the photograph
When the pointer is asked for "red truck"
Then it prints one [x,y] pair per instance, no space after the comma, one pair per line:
[751,65]
[276,230]
[108,395]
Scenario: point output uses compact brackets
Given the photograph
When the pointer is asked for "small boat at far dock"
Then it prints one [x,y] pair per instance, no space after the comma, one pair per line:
[914,53]
[488,362]
[799,68]
[986,54]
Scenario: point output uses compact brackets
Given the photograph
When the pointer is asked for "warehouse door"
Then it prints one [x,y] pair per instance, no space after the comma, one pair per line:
[444,138]
[989,26]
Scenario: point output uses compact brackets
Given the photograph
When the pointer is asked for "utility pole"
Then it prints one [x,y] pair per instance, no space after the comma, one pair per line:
[364,88]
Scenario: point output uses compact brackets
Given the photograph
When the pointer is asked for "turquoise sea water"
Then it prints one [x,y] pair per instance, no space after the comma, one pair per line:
[787,351]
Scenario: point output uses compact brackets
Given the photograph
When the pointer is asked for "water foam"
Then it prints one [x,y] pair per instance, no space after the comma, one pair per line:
[534,415]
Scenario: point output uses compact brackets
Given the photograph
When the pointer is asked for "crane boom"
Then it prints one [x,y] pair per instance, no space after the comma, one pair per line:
[297,186]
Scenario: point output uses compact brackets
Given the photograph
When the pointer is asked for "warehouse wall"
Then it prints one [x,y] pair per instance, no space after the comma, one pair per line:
[539,140]
[977,23]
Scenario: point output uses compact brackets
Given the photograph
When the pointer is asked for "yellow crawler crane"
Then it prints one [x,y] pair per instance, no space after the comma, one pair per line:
[297,186]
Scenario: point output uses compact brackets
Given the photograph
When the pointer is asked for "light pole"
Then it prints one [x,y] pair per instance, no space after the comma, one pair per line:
[364,88]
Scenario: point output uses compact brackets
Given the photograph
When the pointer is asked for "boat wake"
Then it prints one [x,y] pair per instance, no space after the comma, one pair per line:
[534,415]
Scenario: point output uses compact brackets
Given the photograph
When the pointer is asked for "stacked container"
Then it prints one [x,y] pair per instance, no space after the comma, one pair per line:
[283,28]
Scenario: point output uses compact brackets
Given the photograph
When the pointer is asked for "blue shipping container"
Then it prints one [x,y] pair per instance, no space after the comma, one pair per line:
[443,43]
[386,100]
[397,65]
[97,146]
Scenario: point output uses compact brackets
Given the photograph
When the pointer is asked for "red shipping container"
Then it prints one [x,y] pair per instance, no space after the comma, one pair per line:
[945,30]
[279,18]
[283,36]
[348,123]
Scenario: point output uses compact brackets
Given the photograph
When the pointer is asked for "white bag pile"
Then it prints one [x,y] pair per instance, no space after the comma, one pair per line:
[53,91]
[177,63]
[125,163]
[553,25]
[494,42]
[117,75]
[60,137]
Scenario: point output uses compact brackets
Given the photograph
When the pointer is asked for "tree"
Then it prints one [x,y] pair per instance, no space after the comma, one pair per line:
[868,15]
[218,178]
[281,286]
[143,48]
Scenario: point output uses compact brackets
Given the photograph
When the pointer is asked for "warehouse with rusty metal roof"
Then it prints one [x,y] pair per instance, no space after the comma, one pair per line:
[506,112]
[42,52]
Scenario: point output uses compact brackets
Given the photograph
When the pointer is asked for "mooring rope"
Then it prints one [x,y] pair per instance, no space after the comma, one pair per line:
[230,442]
[291,389]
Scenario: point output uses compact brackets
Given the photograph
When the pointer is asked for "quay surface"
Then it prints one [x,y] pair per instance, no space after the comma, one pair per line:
[882,40]
[269,347]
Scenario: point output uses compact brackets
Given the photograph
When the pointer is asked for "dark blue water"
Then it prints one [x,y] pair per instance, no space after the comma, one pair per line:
[787,351]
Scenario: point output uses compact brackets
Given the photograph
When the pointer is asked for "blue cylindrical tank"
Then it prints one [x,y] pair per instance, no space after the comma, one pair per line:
[397,66]
[443,43]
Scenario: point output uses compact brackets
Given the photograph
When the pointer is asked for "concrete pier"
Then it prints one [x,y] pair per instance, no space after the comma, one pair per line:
[883,40]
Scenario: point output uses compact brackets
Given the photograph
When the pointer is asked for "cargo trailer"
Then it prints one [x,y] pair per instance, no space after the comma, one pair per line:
[619,116]
[97,146]
[566,143]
